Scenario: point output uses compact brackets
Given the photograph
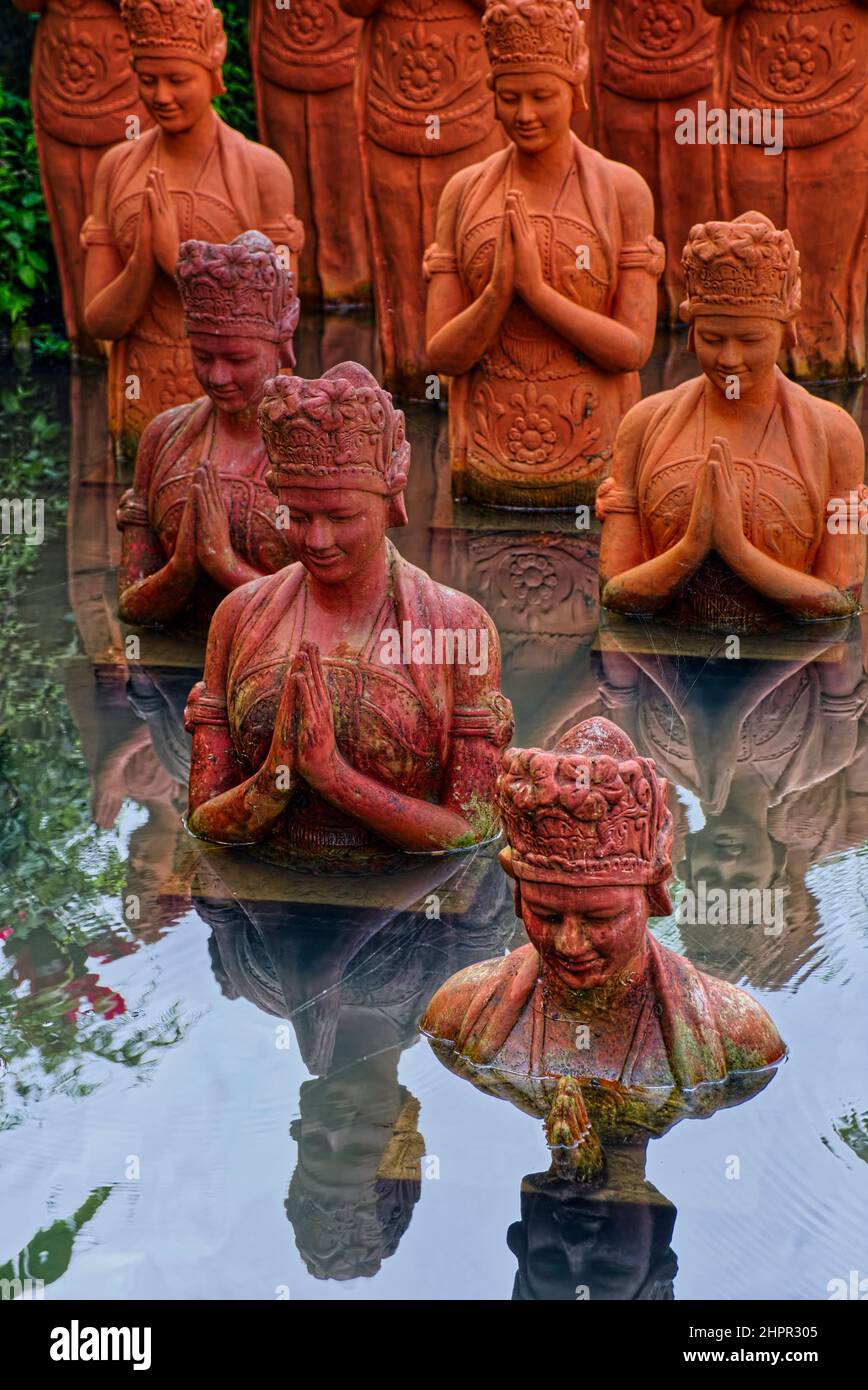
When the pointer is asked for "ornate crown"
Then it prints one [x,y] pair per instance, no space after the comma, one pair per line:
[341,428]
[747,268]
[239,290]
[591,813]
[536,36]
[191,29]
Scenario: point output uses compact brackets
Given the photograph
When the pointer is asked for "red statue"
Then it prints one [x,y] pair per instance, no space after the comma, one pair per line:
[594,994]
[200,518]
[802,67]
[351,707]
[650,60]
[302,57]
[424,111]
[191,176]
[722,509]
[82,91]
[542,299]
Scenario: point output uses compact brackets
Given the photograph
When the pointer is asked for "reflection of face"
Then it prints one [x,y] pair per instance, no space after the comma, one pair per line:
[176,92]
[734,347]
[335,532]
[585,936]
[346,1124]
[534,108]
[731,851]
[233,371]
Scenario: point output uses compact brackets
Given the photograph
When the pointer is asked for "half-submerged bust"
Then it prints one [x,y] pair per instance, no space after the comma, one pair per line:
[542,296]
[722,512]
[594,995]
[200,518]
[351,706]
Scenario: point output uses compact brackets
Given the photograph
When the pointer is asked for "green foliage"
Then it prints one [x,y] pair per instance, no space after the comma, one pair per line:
[237,106]
[27,272]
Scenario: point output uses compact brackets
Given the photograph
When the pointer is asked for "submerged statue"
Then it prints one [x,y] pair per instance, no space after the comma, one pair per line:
[542,296]
[594,995]
[724,511]
[200,518]
[351,707]
[424,112]
[82,94]
[191,176]
[800,68]
[302,57]
[650,62]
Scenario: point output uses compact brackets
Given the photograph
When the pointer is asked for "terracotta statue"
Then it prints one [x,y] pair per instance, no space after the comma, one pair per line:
[650,61]
[82,92]
[302,57]
[722,509]
[594,994]
[803,66]
[191,176]
[424,111]
[200,518]
[351,707]
[542,298]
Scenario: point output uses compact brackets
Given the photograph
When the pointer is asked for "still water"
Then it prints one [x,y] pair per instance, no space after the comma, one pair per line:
[212,1082]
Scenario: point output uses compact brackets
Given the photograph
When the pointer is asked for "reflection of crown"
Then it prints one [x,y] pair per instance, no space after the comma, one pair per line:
[535,36]
[239,290]
[191,29]
[591,813]
[341,428]
[746,268]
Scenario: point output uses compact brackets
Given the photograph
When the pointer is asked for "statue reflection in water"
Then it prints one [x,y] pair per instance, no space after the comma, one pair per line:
[353,981]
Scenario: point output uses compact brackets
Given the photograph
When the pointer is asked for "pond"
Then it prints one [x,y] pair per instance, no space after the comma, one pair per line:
[213,1083]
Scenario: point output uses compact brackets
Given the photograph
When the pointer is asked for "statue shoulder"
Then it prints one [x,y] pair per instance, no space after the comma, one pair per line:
[749,1036]
[445,1015]
[635,200]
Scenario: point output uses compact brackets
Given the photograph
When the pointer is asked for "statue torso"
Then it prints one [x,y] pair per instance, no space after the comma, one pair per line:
[310,46]
[426,59]
[83,85]
[656,51]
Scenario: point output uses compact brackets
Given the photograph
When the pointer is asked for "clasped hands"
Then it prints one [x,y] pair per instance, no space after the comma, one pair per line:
[715,521]
[203,536]
[304,739]
[517,263]
[158,236]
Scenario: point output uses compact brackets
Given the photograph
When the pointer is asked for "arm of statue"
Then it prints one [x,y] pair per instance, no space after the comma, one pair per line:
[458,334]
[277,200]
[622,341]
[115,294]
[404,821]
[628,583]
[832,591]
[223,805]
[213,542]
[152,589]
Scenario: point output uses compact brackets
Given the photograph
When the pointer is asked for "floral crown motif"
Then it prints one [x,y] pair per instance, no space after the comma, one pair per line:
[191,29]
[536,36]
[592,813]
[340,428]
[240,290]
[746,268]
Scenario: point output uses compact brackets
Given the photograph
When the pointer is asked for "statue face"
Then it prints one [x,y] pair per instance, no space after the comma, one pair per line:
[585,936]
[176,92]
[233,371]
[534,108]
[728,347]
[334,532]
[731,851]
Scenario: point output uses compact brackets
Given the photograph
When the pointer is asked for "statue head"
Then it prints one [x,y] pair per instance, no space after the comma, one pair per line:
[339,463]
[178,48]
[539,65]
[589,842]
[744,292]
[240,314]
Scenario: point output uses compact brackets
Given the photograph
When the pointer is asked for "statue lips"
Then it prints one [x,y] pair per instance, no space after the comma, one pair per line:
[576,967]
